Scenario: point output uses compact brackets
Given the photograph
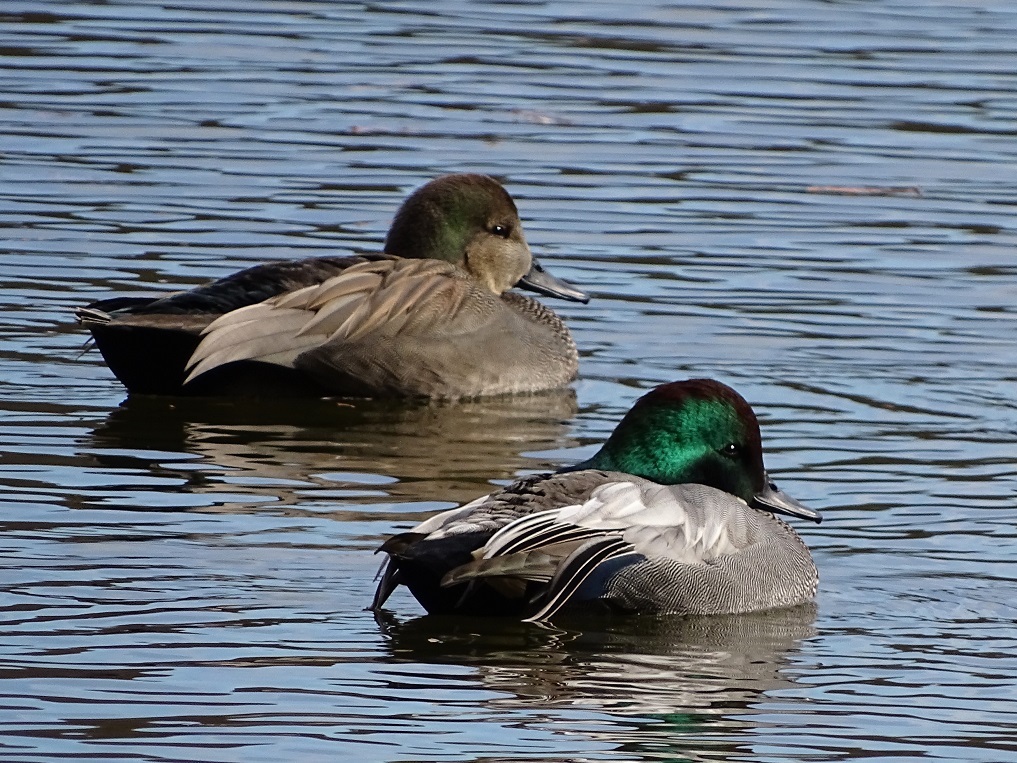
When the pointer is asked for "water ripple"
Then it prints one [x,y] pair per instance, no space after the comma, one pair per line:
[812,201]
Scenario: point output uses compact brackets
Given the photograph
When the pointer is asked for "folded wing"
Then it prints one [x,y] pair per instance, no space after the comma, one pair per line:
[390,296]
[575,550]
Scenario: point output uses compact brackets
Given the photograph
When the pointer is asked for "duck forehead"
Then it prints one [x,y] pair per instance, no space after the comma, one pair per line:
[696,424]
[714,422]
[705,412]
[699,392]
[472,199]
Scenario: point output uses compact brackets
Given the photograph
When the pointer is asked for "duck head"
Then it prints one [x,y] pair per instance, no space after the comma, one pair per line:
[471,221]
[696,431]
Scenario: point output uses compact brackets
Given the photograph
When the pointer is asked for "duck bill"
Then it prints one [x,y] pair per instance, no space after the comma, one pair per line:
[771,498]
[542,282]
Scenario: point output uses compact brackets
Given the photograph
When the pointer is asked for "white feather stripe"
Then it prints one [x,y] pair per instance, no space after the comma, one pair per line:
[519,528]
[552,534]
[538,565]
[574,571]
[686,523]
[606,509]
[517,534]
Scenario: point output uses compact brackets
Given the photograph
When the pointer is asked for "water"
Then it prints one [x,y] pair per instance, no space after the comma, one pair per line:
[187,581]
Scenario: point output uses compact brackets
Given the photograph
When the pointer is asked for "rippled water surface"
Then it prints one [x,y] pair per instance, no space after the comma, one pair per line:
[815,202]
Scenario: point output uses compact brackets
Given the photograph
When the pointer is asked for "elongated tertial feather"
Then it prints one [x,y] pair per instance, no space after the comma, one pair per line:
[539,565]
[546,533]
[254,340]
[333,318]
[366,297]
[575,570]
[91,315]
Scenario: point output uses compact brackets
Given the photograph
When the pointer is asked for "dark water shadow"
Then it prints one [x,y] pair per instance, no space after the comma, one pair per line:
[649,666]
[418,451]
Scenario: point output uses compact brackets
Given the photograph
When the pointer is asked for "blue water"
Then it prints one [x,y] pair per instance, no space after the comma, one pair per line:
[811,201]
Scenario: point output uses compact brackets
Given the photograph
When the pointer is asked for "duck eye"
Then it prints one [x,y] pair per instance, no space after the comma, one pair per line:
[731,450]
[501,230]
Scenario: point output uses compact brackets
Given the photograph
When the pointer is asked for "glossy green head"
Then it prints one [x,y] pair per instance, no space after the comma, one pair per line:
[697,431]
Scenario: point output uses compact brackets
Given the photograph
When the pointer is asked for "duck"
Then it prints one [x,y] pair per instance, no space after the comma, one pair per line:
[432,316]
[675,514]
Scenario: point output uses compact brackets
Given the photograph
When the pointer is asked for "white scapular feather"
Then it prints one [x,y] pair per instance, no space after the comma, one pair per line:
[669,521]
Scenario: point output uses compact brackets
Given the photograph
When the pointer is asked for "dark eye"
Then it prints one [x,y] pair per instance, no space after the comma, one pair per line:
[731,450]
[501,230]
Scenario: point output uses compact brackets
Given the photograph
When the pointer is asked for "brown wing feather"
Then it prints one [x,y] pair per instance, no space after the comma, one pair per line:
[368,297]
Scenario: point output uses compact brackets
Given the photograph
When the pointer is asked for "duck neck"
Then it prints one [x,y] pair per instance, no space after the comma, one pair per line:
[643,449]
[433,237]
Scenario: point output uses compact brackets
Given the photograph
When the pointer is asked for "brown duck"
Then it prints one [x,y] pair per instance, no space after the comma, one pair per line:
[431,317]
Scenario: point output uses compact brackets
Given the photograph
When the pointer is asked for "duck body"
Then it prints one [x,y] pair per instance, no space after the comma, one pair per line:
[147,342]
[607,539]
[432,317]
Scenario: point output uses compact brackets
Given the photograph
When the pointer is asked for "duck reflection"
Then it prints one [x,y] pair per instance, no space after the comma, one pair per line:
[357,451]
[665,669]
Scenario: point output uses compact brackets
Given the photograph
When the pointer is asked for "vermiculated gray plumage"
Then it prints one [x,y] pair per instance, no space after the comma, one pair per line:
[548,542]
[771,567]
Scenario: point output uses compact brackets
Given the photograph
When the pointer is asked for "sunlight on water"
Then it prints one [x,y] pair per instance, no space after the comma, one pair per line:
[811,201]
